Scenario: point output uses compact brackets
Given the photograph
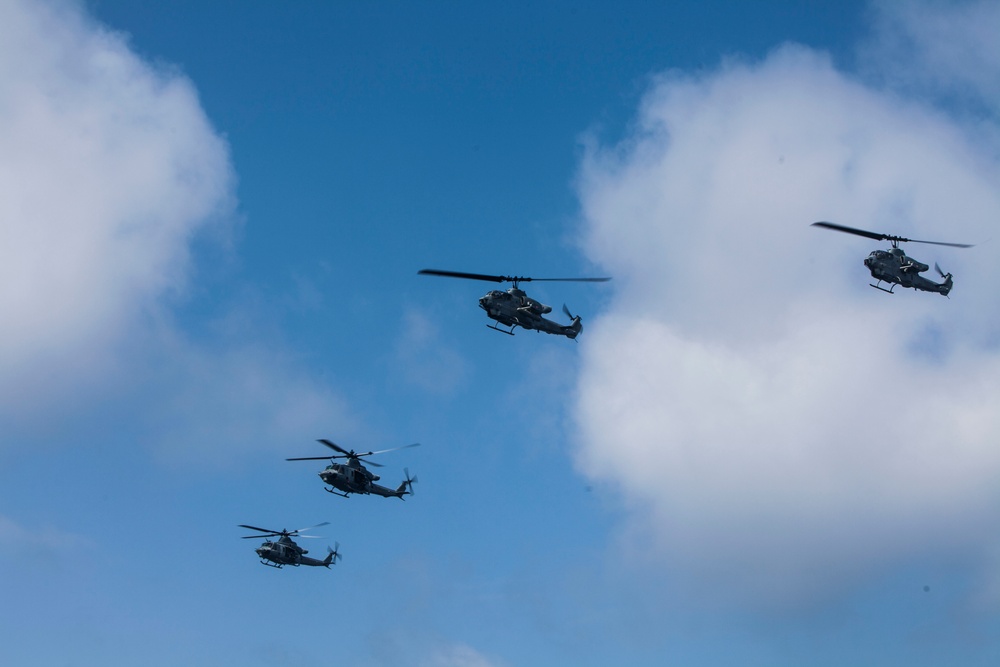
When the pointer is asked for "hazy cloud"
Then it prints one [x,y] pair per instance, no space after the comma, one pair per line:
[38,541]
[458,655]
[423,358]
[779,428]
[211,402]
[949,46]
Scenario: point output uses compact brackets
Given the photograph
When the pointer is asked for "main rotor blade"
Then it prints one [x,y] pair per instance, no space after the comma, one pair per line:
[882,237]
[505,279]
[263,530]
[852,230]
[312,458]
[359,457]
[950,245]
[299,530]
[459,274]
[383,451]
[566,280]
[333,445]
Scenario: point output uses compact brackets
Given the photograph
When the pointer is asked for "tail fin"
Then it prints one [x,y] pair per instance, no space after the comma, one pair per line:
[944,287]
[406,486]
[575,327]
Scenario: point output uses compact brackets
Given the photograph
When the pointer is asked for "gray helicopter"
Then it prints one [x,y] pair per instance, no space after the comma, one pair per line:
[514,308]
[285,551]
[893,266]
[352,477]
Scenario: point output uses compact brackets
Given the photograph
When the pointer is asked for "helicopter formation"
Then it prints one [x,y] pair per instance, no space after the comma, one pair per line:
[344,479]
[513,308]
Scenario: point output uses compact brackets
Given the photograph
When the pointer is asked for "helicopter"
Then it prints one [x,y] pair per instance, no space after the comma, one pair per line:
[285,551]
[514,308]
[352,477]
[893,266]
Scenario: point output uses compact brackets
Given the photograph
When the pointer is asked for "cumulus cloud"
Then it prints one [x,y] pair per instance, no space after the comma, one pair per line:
[108,169]
[779,428]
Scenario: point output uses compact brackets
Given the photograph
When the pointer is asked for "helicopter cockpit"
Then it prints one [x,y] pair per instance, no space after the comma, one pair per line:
[877,257]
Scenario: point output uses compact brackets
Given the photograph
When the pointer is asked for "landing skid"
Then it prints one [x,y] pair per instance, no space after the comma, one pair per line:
[887,291]
[496,328]
[336,493]
[276,566]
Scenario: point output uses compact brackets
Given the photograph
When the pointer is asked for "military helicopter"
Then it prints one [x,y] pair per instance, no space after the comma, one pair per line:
[352,477]
[893,266]
[285,551]
[514,308]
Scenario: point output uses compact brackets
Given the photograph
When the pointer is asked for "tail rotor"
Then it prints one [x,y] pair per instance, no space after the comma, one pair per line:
[333,555]
[409,481]
[945,287]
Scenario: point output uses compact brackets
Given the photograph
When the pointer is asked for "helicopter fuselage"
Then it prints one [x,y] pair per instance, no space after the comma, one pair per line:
[894,266]
[352,477]
[513,308]
[286,552]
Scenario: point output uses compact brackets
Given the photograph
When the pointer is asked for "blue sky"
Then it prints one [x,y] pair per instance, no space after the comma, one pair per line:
[213,218]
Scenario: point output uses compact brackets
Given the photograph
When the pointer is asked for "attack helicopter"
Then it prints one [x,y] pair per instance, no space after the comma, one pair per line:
[285,551]
[893,266]
[352,477]
[514,308]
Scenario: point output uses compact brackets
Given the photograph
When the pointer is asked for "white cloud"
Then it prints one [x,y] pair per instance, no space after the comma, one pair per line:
[780,428]
[108,168]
